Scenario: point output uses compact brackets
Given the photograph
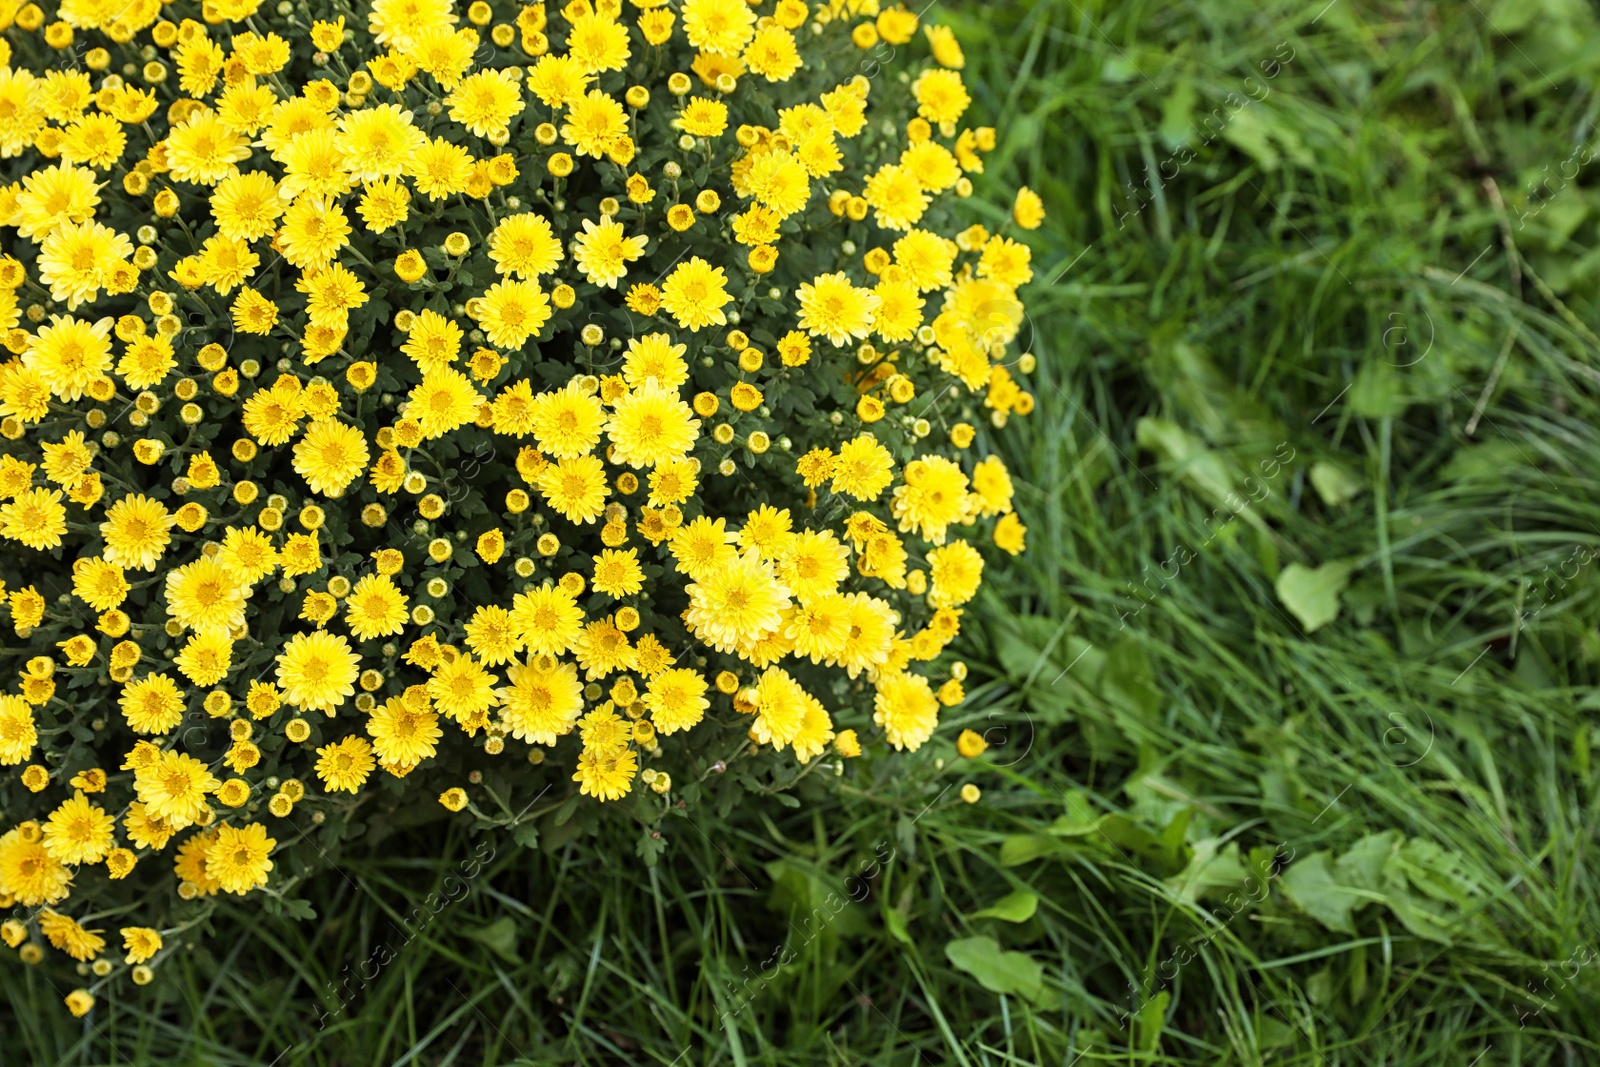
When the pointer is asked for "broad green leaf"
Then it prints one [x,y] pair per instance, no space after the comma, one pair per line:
[1258,131]
[997,970]
[500,937]
[296,908]
[1512,16]
[1442,894]
[1211,866]
[1284,133]
[1562,215]
[1151,1020]
[1177,831]
[1025,848]
[1134,839]
[1421,916]
[1176,114]
[1118,69]
[1079,818]
[1027,644]
[1246,132]
[1311,884]
[1015,907]
[895,922]
[1208,399]
[1419,882]
[1155,799]
[1377,392]
[794,889]
[1081,662]
[1364,865]
[1490,461]
[1432,870]
[1191,460]
[1517,16]
[1312,595]
[816,901]
[1272,1033]
[649,846]
[1036,652]
[1334,483]
[566,811]
[1113,833]
[1127,682]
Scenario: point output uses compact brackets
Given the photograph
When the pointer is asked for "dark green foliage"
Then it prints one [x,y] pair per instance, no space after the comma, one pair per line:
[1290,701]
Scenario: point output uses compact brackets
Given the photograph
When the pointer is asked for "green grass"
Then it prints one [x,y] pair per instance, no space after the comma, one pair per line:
[1359,269]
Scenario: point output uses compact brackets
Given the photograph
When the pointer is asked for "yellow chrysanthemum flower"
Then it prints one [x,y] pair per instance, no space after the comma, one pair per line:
[524,246]
[695,293]
[237,859]
[317,671]
[330,456]
[602,252]
[449,294]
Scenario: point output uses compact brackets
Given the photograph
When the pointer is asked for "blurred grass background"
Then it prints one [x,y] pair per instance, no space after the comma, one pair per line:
[1292,696]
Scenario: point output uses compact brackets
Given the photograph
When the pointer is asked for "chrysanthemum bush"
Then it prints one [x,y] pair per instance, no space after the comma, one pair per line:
[513,410]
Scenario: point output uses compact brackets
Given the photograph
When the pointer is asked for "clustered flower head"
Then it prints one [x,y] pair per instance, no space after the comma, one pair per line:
[405,391]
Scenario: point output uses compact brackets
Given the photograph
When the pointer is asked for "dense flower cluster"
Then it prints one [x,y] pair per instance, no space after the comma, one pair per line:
[397,392]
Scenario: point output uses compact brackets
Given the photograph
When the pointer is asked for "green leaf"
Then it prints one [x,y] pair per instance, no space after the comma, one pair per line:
[1376,392]
[1246,132]
[1188,455]
[1273,1034]
[1113,833]
[1442,889]
[1138,840]
[996,970]
[795,890]
[1015,907]
[1210,867]
[1128,682]
[1025,848]
[566,810]
[1492,461]
[1334,483]
[1151,1020]
[1421,916]
[1118,69]
[296,908]
[1035,652]
[1562,216]
[1311,884]
[1312,595]
[1177,832]
[1364,865]
[1516,16]
[1264,135]
[1027,645]
[1176,112]
[649,846]
[500,937]
[1081,661]
[895,922]
[1432,870]
[1079,818]
[526,835]
[1420,883]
